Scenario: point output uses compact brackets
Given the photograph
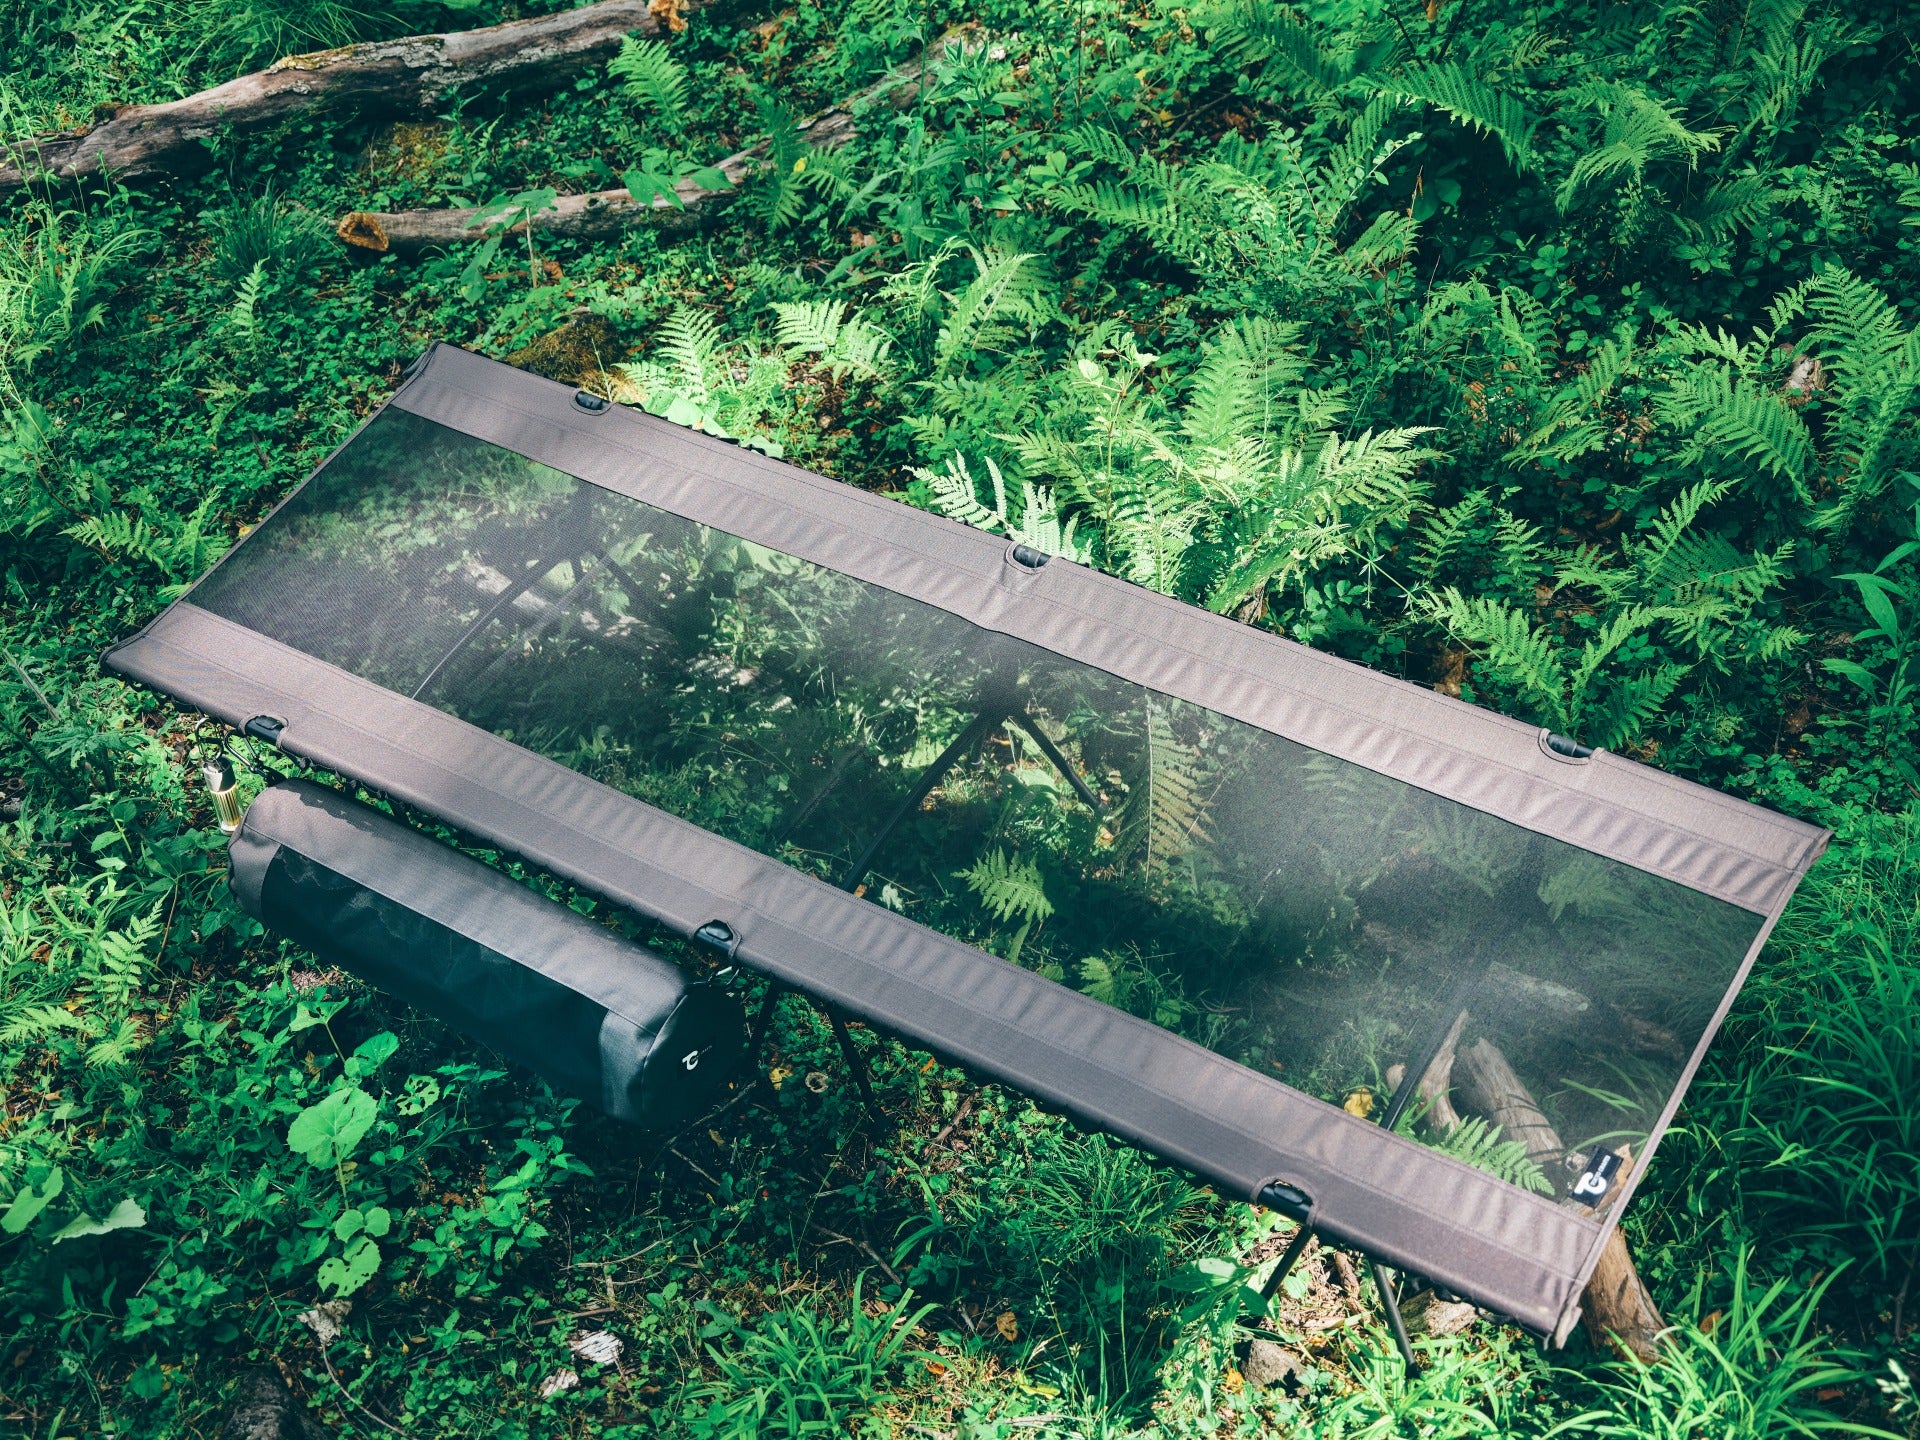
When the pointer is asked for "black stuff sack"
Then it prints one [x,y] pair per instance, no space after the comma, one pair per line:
[598,1016]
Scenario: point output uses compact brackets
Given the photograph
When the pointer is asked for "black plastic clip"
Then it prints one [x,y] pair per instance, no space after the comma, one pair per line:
[1290,1200]
[1572,749]
[717,936]
[592,404]
[267,728]
[1028,556]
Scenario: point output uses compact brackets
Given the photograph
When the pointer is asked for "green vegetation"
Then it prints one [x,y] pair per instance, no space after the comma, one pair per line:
[1563,357]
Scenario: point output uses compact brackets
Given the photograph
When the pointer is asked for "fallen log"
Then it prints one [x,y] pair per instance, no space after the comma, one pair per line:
[1490,1085]
[1437,1080]
[605,214]
[1616,1308]
[411,75]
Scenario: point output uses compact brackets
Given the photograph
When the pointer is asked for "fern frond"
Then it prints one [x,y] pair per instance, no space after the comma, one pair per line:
[244,316]
[116,1049]
[652,79]
[1242,367]
[1474,103]
[1477,1142]
[1165,815]
[1637,130]
[1733,416]
[1256,31]
[34,1023]
[1009,888]
[1629,704]
[782,195]
[845,347]
[1730,205]
[1520,654]
[1001,294]
[690,338]
[1040,524]
[1445,532]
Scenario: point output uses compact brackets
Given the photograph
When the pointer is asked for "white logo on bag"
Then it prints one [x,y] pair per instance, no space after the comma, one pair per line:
[1591,1184]
[691,1059]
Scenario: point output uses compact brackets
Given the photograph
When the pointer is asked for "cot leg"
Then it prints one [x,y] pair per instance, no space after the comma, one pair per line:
[757,1037]
[855,1062]
[1383,1282]
[1288,1258]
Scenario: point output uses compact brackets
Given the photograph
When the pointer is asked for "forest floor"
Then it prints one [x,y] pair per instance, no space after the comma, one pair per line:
[1561,356]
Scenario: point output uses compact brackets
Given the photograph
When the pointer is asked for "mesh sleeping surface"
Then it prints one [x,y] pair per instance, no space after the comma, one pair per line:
[1307,919]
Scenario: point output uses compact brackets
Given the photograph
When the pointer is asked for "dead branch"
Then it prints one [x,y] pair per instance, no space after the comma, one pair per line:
[605,214]
[1437,1080]
[411,75]
[1616,1308]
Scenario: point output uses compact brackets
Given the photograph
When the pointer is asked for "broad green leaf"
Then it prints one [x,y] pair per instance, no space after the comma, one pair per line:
[306,1017]
[372,1053]
[644,186]
[327,1132]
[343,1274]
[127,1215]
[709,177]
[30,1200]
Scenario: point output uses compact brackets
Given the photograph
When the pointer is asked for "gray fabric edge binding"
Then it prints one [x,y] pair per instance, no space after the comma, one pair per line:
[1727,848]
[1414,1208]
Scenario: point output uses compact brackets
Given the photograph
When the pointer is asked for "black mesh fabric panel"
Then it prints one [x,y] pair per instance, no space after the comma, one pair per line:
[1315,921]
[601,1018]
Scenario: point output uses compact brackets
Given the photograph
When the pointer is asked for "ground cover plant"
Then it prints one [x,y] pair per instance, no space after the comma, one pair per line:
[1561,356]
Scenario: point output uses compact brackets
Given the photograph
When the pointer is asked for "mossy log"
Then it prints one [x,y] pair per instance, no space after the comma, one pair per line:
[408,76]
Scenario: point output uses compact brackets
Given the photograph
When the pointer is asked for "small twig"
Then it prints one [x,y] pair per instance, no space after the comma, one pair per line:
[966,1107]
[352,1400]
[675,1152]
[861,1245]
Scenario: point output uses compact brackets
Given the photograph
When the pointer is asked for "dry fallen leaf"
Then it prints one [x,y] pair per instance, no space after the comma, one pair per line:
[597,1347]
[779,1075]
[326,1319]
[1008,1325]
[1235,1381]
[817,1081]
[1360,1103]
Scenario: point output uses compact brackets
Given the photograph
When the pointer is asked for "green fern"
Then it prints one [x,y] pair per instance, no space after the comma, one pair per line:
[782,195]
[843,347]
[248,296]
[34,1024]
[1039,525]
[652,79]
[1468,98]
[1637,129]
[1009,888]
[180,550]
[1166,811]
[1476,1142]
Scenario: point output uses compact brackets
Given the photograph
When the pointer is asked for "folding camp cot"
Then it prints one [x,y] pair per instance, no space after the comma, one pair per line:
[1302,928]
